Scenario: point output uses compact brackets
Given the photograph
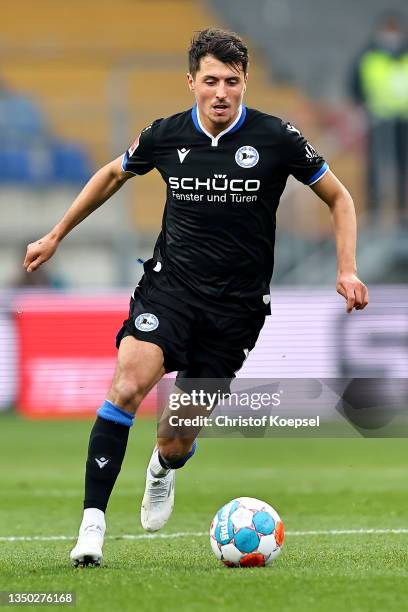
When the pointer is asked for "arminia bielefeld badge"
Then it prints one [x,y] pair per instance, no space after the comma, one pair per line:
[247,157]
[147,322]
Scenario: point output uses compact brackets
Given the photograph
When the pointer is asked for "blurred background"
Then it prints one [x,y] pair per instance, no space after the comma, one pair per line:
[79,80]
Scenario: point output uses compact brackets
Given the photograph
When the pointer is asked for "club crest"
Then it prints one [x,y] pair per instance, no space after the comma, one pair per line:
[147,322]
[247,157]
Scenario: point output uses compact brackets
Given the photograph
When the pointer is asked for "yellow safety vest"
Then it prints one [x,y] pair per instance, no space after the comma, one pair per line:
[385,84]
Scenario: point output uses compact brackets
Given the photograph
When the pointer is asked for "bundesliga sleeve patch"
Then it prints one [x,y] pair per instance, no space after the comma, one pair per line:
[134,146]
[136,143]
[138,157]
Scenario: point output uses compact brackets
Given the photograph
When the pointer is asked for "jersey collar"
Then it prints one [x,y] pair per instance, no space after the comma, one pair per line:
[230,130]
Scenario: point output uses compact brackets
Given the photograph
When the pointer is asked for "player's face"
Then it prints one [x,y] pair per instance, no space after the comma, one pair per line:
[218,89]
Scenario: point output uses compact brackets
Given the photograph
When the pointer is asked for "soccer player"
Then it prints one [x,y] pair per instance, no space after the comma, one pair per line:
[204,295]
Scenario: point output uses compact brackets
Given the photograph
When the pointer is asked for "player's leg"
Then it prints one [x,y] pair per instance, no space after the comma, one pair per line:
[220,349]
[172,451]
[139,367]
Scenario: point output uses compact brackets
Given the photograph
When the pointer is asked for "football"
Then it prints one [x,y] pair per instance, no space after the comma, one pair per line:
[246,532]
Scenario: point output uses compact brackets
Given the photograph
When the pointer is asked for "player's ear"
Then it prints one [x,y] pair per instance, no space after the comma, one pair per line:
[245,82]
[190,81]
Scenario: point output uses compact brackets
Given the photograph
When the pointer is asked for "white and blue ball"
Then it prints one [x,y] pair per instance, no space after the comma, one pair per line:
[246,532]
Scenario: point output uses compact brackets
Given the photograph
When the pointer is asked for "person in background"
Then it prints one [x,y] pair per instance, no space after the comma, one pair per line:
[379,83]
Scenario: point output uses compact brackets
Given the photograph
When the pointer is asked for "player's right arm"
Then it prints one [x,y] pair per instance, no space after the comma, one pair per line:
[99,188]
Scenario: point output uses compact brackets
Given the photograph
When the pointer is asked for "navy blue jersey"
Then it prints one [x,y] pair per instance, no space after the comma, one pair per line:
[216,246]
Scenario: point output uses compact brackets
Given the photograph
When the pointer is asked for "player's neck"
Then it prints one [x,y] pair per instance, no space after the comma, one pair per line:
[215,128]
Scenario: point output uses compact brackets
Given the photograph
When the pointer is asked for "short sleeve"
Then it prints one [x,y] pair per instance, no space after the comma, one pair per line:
[302,159]
[138,159]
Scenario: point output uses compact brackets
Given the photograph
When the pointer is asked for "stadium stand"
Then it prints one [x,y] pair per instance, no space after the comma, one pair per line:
[21,120]
[29,153]
[309,43]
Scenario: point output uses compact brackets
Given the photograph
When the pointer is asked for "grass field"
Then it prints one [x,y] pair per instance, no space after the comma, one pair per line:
[316,485]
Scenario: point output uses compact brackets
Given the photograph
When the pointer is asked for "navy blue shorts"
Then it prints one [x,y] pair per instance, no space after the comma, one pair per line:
[195,342]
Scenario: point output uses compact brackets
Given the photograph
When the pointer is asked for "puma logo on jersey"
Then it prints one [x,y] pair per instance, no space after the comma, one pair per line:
[182,153]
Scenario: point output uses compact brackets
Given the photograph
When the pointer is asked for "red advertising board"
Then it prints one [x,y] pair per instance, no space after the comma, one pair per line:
[67,352]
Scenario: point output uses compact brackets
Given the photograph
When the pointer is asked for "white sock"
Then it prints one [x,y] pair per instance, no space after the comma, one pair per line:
[93,516]
[156,467]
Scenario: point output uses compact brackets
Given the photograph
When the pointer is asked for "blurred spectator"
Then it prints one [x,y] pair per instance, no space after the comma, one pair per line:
[380,84]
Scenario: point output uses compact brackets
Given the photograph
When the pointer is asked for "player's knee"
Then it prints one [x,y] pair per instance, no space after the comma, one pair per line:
[129,392]
[174,450]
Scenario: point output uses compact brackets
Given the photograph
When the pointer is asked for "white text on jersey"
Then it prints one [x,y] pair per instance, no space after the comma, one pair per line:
[218,183]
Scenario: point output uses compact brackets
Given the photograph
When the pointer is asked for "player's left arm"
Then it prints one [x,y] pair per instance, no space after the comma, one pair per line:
[335,195]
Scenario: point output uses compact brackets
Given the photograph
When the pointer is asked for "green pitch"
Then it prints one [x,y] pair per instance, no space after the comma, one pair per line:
[316,485]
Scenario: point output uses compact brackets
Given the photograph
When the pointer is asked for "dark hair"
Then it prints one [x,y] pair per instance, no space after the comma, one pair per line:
[225,46]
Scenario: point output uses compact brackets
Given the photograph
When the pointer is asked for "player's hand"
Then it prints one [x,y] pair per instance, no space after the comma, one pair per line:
[40,251]
[353,290]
